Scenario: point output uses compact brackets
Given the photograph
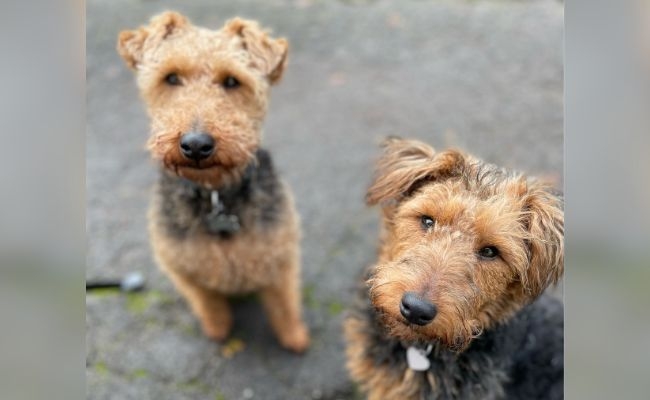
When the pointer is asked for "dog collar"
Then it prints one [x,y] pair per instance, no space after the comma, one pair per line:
[418,358]
[217,220]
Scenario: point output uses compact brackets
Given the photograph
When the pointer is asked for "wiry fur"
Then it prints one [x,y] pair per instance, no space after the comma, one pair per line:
[263,255]
[202,59]
[474,205]
[519,359]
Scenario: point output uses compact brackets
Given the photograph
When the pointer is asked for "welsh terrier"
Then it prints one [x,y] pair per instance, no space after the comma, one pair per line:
[221,221]
[453,308]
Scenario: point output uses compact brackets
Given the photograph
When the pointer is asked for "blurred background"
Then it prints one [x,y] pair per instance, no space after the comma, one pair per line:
[485,76]
[607,279]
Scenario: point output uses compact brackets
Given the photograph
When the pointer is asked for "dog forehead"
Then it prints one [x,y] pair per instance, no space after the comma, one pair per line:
[451,200]
[217,41]
[199,45]
[442,194]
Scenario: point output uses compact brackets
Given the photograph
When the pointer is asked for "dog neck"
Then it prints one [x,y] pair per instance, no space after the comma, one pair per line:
[222,219]
[489,358]
[228,194]
[186,207]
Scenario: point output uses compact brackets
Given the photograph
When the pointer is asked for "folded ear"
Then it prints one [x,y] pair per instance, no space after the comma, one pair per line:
[269,55]
[405,164]
[543,208]
[131,44]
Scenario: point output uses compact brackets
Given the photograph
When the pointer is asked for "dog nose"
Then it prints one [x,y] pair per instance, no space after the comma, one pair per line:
[417,310]
[197,146]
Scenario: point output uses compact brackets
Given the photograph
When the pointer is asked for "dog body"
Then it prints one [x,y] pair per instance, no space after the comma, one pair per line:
[229,264]
[519,359]
[221,221]
[453,308]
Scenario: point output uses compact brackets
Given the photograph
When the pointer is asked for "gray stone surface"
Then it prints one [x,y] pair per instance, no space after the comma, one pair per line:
[482,75]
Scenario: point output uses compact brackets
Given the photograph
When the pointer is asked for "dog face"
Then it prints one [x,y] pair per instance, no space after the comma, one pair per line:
[206,92]
[465,244]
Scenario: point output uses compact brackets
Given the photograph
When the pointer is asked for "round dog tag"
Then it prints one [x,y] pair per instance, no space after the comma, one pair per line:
[417,359]
[223,224]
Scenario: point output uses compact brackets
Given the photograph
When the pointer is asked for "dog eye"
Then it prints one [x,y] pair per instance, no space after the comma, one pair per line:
[231,82]
[427,222]
[488,252]
[173,79]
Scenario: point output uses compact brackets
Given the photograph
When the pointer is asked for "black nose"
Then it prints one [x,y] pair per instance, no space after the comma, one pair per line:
[197,146]
[417,310]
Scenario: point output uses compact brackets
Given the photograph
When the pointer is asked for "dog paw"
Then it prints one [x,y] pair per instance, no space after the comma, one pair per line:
[296,340]
[217,333]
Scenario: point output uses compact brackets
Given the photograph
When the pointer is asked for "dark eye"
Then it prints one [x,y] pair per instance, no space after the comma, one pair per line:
[427,222]
[231,82]
[173,79]
[488,252]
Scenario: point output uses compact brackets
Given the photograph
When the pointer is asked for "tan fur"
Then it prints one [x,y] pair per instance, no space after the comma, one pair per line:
[379,383]
[202,59]
[474,205]
[203,269]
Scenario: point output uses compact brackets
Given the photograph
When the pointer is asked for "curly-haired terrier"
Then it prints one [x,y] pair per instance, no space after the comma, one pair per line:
[221,221]
[453,308]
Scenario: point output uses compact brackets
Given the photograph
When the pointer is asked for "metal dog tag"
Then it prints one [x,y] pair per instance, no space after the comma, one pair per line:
[219,222]
[417,358]
[223,223]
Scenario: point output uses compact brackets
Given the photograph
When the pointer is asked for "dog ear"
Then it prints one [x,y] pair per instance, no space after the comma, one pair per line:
[545,223]
[269,55]
[131,44]
[406,163]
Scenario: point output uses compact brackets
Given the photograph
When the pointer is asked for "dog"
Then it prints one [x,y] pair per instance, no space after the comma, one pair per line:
[221,221]
[454,307]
